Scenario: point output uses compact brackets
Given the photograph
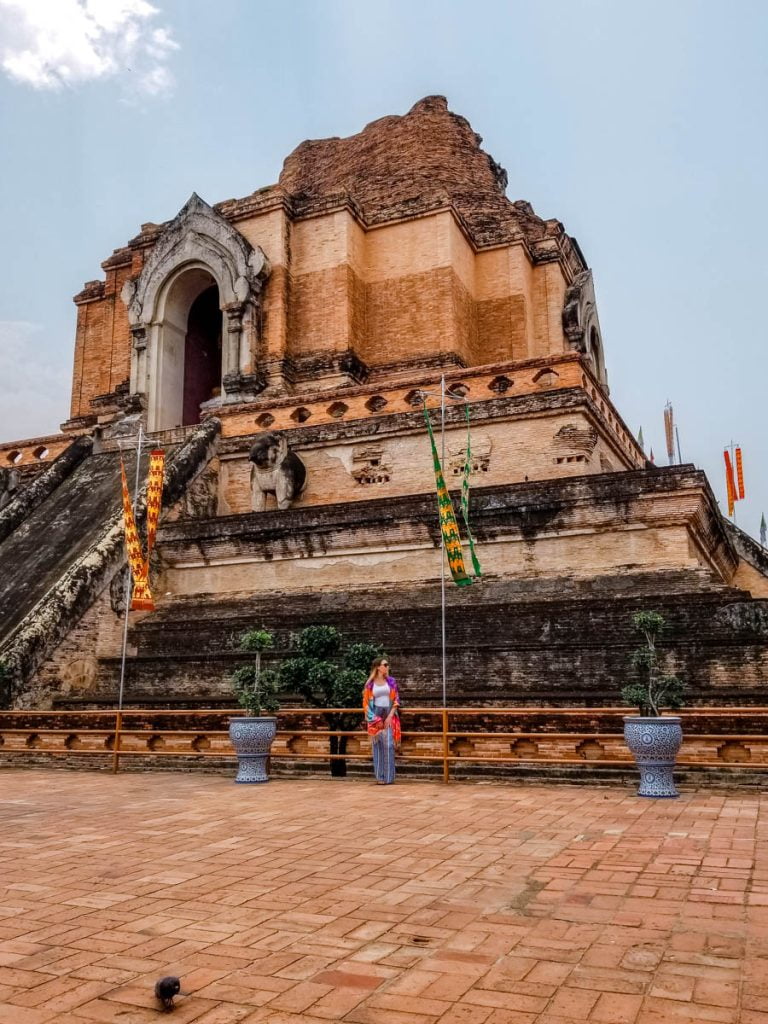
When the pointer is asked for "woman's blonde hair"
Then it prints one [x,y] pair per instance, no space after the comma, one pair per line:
[375,664]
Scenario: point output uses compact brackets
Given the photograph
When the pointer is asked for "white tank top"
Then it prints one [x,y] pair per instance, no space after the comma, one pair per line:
[381,695]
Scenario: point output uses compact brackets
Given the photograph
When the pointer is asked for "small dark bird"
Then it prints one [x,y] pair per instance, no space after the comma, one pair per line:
[165,990]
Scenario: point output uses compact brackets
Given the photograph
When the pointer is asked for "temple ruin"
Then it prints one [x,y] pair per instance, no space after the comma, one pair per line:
[317,310]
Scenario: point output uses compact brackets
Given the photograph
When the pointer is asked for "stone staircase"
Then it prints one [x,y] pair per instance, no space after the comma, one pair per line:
[67,548]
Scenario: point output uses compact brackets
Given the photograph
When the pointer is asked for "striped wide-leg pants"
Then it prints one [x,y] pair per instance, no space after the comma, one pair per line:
[384,756]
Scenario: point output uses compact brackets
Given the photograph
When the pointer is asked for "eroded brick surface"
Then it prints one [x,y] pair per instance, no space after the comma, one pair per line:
[309,901]
[395,245]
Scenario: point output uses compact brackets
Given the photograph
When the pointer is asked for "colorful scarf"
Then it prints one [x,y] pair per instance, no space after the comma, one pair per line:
[374,722]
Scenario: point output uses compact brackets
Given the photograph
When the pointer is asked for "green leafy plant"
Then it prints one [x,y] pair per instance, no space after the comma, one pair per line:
[653,690]
[326,674]
[256,687]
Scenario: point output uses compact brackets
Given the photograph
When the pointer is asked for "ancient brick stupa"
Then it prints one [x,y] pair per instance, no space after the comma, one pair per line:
[317,310]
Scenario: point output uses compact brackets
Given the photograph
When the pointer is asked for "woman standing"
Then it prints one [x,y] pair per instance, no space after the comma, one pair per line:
[381,704]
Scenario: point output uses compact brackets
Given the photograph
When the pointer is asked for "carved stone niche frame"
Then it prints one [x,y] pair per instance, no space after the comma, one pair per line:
[371,465]
[197,249]
[574,444]
[481,456]
[581,324]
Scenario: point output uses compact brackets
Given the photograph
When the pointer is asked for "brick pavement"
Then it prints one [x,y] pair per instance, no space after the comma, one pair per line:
[313,900]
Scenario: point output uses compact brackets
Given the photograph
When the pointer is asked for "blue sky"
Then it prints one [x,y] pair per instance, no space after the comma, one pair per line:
[641,127]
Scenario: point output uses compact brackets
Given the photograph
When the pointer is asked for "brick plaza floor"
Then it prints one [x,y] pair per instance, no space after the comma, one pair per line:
[314,900]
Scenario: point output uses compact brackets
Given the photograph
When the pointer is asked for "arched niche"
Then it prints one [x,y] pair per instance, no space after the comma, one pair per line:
[176,347]
[196,251]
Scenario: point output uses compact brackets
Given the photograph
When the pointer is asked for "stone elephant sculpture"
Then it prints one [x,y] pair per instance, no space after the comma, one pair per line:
[275,469]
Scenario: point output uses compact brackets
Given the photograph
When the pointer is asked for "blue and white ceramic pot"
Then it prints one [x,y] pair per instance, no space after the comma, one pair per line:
[252,739]
[654,742]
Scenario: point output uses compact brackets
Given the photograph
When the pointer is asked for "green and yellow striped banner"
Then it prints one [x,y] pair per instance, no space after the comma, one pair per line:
[448,524]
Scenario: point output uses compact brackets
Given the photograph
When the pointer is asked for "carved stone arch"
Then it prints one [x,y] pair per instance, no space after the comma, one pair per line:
[581,324]
[198,248]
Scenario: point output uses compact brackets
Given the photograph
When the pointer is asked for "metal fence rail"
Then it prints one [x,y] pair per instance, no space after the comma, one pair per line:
[202,734]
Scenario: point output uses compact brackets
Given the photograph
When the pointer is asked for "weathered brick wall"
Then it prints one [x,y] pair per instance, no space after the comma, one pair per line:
[374,468]
[32,454]
[582,527]
[750,579]
[752,572]
[408,557]
[566,562]
[406,291]
[505,647]
[399,245]
[102,343]
[73,668]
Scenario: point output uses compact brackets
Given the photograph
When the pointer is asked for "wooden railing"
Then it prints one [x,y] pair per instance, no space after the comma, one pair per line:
[431,736]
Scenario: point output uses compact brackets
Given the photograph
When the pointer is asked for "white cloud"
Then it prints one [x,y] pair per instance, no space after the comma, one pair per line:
[34,382]
[49,44]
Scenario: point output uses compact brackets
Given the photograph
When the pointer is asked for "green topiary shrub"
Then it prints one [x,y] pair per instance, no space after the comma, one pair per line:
[256,687]
[328,675]
[653,690]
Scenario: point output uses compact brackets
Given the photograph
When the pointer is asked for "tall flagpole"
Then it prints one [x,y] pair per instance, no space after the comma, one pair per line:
[119,721]
[444,393]
[442,538]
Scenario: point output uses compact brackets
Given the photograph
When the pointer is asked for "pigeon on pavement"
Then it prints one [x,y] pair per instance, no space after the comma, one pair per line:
[166,989]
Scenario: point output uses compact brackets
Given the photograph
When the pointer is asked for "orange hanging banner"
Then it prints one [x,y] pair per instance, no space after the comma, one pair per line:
[141,599]
[154,495]
[739,474]
[730,485]
[132,542]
